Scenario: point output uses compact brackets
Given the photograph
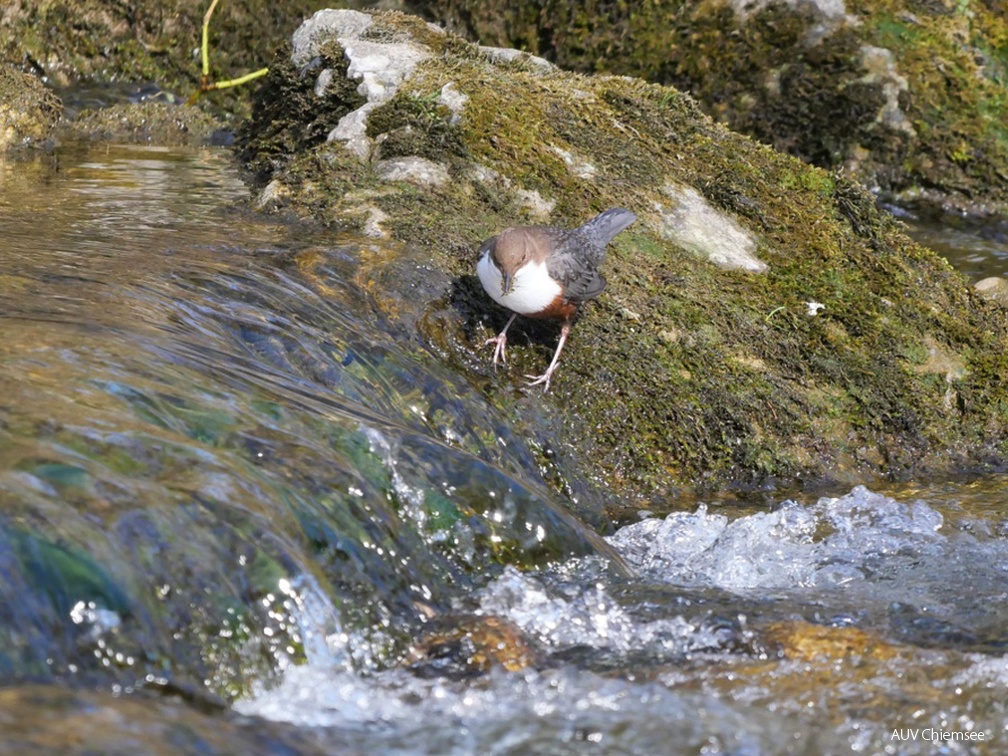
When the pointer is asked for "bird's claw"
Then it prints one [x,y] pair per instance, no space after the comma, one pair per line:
[500,340]
[535,380]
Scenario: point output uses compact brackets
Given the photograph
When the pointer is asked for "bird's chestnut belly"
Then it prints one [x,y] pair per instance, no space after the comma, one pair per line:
[558,309]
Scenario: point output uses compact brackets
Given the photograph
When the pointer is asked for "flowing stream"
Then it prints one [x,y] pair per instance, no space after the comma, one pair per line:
[245,509]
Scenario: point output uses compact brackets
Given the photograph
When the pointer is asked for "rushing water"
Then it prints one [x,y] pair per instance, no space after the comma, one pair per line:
[713,645]
[245,509]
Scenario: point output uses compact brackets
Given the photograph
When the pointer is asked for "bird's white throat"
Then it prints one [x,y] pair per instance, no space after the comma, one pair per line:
[533,290]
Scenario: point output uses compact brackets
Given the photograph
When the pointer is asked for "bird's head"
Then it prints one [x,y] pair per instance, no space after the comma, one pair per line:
[512,251]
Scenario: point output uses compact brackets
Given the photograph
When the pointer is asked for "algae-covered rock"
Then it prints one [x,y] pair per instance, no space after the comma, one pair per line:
[909,97]
[28,111]
[148,122]
[67,41]
[764,321]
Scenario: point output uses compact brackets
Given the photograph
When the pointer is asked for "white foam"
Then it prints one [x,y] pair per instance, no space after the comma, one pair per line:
[830,543]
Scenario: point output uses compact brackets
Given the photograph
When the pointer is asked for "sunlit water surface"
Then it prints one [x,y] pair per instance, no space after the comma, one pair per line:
[211,356]
[977,248]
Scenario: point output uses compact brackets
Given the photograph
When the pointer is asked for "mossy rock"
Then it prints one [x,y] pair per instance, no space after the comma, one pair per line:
[28,111]
[69,41]
[910,97]
[826,346]
[157,123]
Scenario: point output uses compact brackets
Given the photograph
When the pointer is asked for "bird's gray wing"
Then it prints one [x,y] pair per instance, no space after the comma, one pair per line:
[585,287]
[574,262]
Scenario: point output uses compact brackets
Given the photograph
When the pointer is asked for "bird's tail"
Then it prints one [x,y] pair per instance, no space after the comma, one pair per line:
[603,228]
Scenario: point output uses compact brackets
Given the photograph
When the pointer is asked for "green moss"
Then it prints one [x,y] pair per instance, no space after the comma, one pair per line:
[892,32]
[808,178]
[415,124]
[68,478]
[149,41]
[681,374]
[778,76]
[66,575]
[958,102]
[287,117]
[396,26]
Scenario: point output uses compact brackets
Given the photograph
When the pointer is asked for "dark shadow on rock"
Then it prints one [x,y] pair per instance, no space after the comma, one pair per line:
[480,313]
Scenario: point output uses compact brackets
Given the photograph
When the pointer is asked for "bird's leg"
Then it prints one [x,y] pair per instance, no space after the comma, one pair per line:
[545,377]
[501,341]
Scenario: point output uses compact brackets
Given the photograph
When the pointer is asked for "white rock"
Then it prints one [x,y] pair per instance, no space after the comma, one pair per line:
[416,170]
[536,205]
[307,41]
[373,225]
[994,288]
[578,166]
[322,82]
[352,131]
[508,54]
[454,100]
[381,67]
[699,228]
[881,67]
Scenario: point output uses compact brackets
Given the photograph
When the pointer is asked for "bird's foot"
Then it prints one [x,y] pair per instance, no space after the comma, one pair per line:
[536,380]
[500,340]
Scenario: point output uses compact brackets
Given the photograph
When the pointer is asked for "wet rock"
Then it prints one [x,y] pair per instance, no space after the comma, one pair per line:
[472,644]
[994,288]
[147,40]
[28,110]
[808,642]
[852,353]
[150,123]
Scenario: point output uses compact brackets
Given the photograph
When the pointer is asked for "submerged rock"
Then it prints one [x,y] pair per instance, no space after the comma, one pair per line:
[722,376]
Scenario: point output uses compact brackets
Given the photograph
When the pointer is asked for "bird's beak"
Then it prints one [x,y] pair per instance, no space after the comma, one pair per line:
[507,284]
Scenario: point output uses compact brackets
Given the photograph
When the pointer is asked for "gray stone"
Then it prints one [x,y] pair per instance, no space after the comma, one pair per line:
[379,66]
[994,289]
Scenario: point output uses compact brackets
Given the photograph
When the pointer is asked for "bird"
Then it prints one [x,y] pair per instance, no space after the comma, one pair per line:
[547,272]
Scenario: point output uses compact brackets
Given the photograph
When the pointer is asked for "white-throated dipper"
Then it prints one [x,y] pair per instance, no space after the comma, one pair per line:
[547,272]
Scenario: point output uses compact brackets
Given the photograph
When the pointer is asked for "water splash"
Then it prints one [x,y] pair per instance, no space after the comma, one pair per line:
[591,617]
[829,543]
[557,711]
[674,659]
